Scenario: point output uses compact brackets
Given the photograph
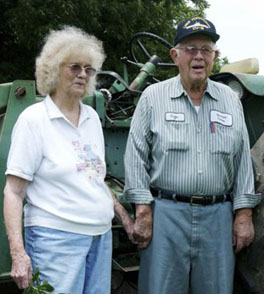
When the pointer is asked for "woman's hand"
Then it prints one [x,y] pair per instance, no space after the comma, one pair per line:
[128,224]
[21,269]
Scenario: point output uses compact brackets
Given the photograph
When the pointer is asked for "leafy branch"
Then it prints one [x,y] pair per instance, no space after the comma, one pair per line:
[37,287]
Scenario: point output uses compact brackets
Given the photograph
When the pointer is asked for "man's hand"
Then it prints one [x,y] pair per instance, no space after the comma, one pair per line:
[243,229]
[142,233]
[21,270]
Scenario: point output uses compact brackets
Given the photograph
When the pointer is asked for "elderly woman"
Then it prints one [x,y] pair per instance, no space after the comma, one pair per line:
[56,161]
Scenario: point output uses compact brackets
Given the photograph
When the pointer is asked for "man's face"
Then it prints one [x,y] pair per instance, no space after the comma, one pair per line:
[194,65]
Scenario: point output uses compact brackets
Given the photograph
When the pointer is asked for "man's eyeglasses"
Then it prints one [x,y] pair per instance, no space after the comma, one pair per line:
[193,51]
[77,69]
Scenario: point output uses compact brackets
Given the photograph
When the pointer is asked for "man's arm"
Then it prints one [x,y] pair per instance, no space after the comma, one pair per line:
[14,193]
[137,168]
[245,198]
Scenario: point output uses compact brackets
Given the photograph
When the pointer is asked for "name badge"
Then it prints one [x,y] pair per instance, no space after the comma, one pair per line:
[222,118]
[173,116]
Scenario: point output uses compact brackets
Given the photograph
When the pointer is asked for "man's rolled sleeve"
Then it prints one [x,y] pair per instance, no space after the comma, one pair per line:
[137,162]
[246,201]
[138,196]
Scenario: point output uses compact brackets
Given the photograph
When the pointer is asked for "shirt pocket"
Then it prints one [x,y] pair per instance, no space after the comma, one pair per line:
[176,136]
[223,141]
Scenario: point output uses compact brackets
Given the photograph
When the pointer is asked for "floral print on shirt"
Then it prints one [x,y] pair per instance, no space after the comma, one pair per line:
[88,161]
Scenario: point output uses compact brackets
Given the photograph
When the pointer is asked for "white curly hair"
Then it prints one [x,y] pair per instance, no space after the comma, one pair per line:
[60,45]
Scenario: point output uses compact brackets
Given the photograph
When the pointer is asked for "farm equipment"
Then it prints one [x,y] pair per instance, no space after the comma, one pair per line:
[115,100]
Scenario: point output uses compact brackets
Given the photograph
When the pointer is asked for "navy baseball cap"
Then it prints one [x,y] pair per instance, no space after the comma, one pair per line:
[195,25]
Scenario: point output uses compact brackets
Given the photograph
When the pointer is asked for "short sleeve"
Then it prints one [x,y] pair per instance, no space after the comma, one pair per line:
[25,153]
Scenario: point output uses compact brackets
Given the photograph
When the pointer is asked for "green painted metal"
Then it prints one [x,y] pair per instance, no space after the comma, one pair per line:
[141,80]
[4,92]
[117,87]
[14,98]
[253,83]
[125,73]
[119,123]
[115,144]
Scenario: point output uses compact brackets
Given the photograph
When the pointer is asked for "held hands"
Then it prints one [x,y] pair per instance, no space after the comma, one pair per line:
[21,269]
[139,231]
[243,229]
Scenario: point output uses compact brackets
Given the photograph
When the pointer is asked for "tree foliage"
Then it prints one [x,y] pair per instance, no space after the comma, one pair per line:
[24,24]
[219,63]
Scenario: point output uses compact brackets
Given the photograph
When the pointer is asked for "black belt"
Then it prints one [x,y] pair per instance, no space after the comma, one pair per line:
[192,199]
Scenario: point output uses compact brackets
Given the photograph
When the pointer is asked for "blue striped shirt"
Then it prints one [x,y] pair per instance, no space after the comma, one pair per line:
[172,146]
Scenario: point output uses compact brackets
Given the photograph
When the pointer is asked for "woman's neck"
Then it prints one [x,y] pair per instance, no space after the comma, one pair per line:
[69,106]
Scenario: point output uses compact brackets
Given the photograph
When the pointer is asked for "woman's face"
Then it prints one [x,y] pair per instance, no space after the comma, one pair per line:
[74,75]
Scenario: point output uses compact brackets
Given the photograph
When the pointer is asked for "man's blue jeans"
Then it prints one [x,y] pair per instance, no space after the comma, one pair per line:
[71,263]
[191,250]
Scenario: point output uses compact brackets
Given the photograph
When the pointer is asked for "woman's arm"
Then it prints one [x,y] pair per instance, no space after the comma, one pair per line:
[126,220]
[14,194]
[123,215]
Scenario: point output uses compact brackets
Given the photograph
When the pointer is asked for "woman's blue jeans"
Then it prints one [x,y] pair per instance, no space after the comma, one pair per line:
[72,263]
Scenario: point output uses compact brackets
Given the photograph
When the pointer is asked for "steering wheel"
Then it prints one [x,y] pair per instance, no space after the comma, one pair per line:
[136,42]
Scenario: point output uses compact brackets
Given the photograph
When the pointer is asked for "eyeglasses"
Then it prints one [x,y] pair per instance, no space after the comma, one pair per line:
[77,69]
[193,51]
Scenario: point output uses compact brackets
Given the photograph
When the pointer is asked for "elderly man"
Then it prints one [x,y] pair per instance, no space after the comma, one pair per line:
[187,151]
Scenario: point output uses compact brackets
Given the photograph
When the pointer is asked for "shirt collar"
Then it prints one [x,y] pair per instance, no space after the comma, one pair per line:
[54,112]
[212,90]
[179,91]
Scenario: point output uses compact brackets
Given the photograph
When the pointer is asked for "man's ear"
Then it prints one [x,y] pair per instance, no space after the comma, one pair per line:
[217,54]
[174,55]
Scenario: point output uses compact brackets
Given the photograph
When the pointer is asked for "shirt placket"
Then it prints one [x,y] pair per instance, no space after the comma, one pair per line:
[199,164]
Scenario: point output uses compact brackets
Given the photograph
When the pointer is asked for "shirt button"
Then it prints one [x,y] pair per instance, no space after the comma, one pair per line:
[199,151]
[200,172]
[198,130]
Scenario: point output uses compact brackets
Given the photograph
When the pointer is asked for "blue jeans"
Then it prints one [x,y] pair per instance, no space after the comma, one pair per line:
[71,263]
[191,250]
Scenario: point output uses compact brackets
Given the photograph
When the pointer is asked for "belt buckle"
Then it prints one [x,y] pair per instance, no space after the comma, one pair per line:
[196,197]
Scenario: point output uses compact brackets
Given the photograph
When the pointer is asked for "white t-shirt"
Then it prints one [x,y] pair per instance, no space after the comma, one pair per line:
[65,168]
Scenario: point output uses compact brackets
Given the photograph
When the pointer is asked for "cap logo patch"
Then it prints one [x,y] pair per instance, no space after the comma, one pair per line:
[198,25]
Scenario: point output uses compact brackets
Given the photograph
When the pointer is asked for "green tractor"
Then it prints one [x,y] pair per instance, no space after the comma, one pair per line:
[115,100]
